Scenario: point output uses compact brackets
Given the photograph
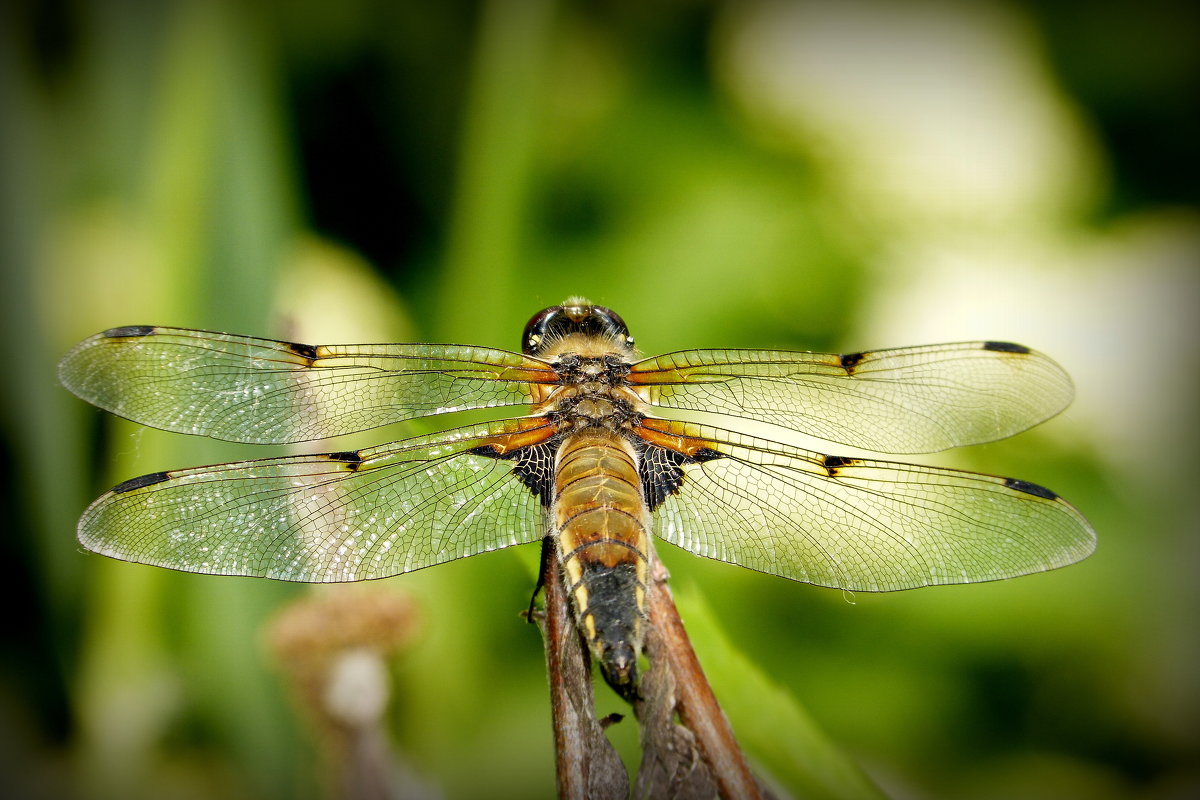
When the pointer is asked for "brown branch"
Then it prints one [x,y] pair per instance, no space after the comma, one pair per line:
[586,764]
[671,762]
[707,730]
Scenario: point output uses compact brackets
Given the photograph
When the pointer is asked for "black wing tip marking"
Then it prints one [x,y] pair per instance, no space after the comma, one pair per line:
[308,351]
[851,360]
[351,458]
[1006,347]
[128,332]
[140,482]
[1030,488]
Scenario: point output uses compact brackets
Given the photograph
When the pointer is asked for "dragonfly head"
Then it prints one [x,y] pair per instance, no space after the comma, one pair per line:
[548,328]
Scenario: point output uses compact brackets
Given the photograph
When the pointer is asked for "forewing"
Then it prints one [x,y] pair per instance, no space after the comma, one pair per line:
[243,389]
[323,518]
[907,400]
[860,524]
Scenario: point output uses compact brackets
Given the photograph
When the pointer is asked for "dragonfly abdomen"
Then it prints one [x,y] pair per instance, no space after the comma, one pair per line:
[602,525]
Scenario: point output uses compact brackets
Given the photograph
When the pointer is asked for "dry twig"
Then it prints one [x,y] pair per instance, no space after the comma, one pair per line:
[700,715]
[587,766]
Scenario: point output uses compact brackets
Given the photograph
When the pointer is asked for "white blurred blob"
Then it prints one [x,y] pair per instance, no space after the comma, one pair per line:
[1117,310]
[330,295]
[915,109]
[356,689]
[939,128]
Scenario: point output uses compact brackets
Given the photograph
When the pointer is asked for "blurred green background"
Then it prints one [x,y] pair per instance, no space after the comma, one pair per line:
[839,175]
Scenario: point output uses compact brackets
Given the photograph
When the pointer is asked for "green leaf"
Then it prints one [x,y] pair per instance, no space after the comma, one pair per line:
[772,726]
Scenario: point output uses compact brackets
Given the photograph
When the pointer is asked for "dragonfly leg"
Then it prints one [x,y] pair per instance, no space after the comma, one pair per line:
[548,561]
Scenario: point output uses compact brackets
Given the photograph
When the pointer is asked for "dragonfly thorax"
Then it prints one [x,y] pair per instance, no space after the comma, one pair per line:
[575,408]
[593,393]
[575,369]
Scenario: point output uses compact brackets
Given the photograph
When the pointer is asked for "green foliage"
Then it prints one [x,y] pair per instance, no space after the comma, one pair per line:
[783,738]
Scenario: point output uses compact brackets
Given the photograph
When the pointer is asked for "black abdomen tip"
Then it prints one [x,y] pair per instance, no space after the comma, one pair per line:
[619,664]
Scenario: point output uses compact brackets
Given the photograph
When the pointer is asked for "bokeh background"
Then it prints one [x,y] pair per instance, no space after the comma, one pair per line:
[810,175]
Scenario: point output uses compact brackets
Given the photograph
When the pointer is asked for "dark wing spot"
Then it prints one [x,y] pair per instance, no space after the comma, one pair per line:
[1005,347]
[128,331]
[1030,488]
[534,465]
[661,471]
[833,463]
[850,361]
[306,350]
[351,458]
[141,481]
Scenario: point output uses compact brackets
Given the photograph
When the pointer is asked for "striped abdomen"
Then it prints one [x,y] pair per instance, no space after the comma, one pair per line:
[602,525]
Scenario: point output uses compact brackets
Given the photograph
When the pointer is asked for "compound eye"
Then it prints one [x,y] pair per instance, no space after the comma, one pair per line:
[535,330]
[553,324]
[613,317]
[615,326]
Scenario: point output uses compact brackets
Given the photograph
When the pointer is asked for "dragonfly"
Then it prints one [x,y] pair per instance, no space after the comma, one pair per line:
[585,466]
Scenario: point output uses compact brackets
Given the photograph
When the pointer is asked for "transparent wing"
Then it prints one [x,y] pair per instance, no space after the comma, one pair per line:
[243,389]
[907,400]
[859,524]
[322,518]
